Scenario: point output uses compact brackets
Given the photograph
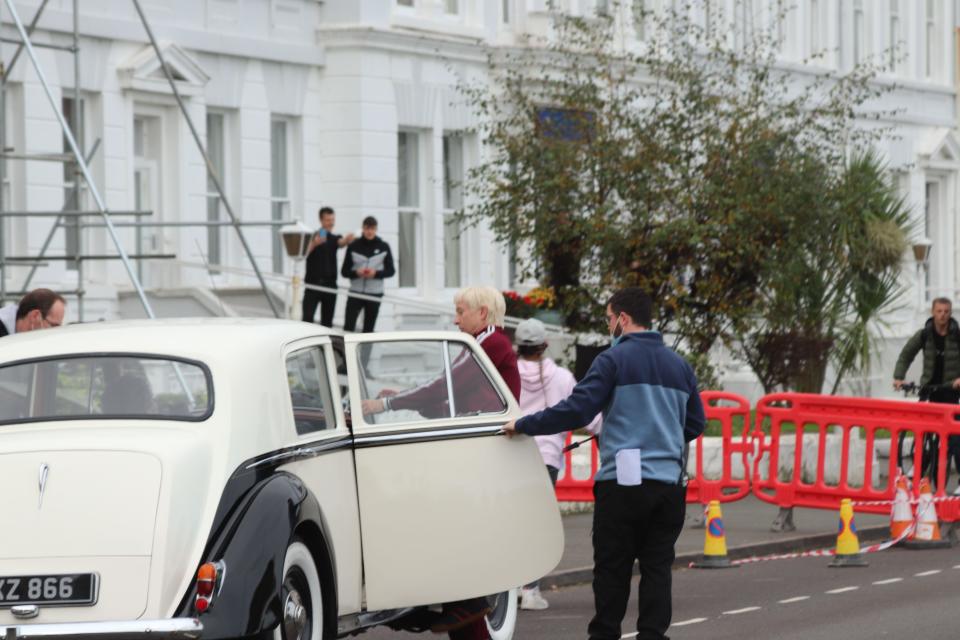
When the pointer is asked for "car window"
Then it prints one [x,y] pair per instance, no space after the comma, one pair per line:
[104,386]
[473,391]
[310,391]
[405,381]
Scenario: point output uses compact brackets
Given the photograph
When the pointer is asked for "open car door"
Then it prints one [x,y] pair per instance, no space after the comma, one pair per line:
[449,507]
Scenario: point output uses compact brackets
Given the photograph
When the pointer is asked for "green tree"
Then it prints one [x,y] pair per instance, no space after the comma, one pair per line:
[831,279]
[680,166]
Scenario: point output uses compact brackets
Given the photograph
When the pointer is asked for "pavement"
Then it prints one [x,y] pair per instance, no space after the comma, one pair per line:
[747,524]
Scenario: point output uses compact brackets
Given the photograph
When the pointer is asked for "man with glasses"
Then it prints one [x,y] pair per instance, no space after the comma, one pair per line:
[651,407]
[39,309]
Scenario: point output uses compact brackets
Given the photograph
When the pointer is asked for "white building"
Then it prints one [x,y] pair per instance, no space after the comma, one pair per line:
[353,104]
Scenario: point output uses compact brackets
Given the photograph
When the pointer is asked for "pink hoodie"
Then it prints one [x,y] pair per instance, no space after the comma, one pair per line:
[539,390]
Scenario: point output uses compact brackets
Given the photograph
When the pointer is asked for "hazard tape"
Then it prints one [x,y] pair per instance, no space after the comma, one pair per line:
[822,553]
[869,503]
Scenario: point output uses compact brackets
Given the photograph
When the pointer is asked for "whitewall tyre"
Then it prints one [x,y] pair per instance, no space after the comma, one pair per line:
[301,598]
[502,621]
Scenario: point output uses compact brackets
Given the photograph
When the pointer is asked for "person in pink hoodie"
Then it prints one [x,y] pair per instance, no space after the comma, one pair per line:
[542,385]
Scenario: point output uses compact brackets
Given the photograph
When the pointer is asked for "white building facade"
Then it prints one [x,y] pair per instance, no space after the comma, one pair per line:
[354,104]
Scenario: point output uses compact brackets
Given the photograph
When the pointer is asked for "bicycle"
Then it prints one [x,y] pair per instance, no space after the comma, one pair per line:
[929,458]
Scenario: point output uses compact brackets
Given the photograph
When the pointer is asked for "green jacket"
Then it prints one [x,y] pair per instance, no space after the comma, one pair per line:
[951,356]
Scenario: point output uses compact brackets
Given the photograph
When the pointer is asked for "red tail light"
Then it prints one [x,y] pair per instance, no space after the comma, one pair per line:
[209,580]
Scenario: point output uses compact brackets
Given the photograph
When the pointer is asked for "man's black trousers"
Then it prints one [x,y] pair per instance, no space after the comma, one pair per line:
[639,523]
[354,307]
[327,302]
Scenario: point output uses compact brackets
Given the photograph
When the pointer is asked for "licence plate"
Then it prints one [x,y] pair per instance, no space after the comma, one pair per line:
[64,589]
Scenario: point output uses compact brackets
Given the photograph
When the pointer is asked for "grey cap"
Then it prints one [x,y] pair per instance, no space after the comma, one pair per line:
[531,333]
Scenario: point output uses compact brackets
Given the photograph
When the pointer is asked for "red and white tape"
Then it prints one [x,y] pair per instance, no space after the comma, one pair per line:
[869,503]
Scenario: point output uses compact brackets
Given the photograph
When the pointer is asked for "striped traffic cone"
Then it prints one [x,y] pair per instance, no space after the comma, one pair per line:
[848,545]
[715,541]
[927,535]
[901,516]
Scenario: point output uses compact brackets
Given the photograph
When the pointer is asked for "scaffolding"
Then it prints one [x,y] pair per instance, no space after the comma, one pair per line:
[72,218]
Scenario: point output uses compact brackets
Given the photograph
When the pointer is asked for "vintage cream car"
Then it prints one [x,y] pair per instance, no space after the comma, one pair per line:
[208,479]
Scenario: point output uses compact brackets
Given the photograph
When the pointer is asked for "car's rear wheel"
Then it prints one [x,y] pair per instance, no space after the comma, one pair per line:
[301,597]
[502,620]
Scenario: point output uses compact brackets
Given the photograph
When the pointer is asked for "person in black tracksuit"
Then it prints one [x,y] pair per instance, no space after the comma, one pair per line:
[368,261]
[322,269]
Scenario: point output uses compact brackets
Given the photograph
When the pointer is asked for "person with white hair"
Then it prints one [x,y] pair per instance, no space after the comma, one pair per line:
[479,311]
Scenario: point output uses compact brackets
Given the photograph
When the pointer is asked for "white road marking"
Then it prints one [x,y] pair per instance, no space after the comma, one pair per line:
[842,590]
[956,566]
[629,635]
[744,610]
[796,599]
[889,581]
[924,574]
[686,622]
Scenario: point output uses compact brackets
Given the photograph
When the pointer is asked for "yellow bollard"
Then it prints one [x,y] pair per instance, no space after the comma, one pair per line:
[715,541]
[848,545]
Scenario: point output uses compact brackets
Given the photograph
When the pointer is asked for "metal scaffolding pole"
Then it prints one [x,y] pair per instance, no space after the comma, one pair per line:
[206,158]
[78,156]
[78,125]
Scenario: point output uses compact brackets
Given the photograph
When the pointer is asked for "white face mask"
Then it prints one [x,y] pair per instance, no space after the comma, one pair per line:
[617,332]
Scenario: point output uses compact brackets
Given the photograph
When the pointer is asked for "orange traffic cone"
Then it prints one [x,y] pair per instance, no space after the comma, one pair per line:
[927,535]
[848,544]
[715,541]
[901,516]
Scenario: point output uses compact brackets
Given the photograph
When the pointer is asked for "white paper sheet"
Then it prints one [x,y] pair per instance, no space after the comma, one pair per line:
[629,468]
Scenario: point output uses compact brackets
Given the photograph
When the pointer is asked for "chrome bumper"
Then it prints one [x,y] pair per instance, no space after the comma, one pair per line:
[175,629]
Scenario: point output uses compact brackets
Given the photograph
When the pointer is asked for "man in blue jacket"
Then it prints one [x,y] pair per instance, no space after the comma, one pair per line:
[651,408]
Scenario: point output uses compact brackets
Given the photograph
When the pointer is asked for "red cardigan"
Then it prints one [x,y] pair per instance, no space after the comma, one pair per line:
[472,393]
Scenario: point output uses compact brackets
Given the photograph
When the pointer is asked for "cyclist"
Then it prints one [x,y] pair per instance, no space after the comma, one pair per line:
[940,342]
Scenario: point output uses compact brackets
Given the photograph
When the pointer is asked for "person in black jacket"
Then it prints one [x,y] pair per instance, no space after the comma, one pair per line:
[367,263]
[322,269]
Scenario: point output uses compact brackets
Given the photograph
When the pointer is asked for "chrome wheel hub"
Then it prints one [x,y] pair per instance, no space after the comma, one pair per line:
[294,616]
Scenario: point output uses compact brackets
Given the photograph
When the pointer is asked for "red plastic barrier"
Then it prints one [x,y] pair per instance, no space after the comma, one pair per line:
[570,489]
[718,406]
[879,421]
[723,407]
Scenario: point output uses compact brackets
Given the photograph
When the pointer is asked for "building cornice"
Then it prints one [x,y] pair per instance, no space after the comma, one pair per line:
[131,30]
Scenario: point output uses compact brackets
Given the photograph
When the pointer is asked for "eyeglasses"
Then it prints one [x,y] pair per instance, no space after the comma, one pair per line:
[50,323]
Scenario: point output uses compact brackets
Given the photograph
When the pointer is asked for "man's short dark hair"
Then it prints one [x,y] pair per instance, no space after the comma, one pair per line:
[634,302]
[945,301]
[326,211]
[370,221]
[38,299]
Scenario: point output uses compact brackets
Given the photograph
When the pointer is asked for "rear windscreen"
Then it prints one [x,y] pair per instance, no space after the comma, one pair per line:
[104,386]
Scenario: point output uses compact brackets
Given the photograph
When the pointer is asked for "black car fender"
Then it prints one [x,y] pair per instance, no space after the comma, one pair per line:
[251,537]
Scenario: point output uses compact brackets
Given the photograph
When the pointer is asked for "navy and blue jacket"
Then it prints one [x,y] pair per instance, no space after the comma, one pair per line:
[648,395]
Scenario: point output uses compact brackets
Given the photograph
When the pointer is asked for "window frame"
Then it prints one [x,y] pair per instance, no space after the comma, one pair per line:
[355,377]
[451,225]
[416,210]
[215,234]
[325,355]
[211,398]
[73,241]
[280,204]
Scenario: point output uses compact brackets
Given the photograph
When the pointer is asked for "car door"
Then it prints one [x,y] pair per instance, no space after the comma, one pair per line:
[449,508]
[317,428]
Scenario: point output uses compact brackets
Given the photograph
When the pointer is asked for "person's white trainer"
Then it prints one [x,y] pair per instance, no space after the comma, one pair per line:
[531,600]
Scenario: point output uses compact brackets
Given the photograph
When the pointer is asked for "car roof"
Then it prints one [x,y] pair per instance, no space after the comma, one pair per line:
[206,339]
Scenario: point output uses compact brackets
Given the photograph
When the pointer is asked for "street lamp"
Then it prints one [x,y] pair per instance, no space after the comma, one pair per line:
[296,240]
[921,254]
